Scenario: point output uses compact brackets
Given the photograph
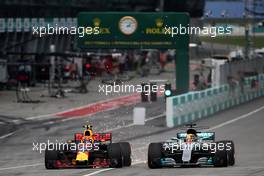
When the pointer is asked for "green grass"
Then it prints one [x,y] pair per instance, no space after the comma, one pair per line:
[258,41]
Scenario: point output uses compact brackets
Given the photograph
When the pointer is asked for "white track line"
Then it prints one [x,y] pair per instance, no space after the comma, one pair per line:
[131,124]
[23,166]
[119,127]
[6,135]
[108,169]
[98,172]
[138,162]
[43,117]
[155,117]
[237,118]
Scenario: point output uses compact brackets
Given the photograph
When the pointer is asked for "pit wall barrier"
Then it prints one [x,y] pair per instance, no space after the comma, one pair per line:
[185,108]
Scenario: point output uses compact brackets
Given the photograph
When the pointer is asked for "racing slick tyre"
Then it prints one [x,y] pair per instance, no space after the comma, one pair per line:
[220,158]
[126,153]
[230,152]
[51,156]
[115,155]
[154,155]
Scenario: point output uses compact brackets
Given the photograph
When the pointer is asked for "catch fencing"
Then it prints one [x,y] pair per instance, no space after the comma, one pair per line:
[234,68]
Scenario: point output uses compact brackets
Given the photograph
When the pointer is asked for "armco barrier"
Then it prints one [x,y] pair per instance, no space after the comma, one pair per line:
[192,106]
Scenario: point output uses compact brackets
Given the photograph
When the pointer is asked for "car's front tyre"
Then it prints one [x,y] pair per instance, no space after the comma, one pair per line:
[115,155]
[51,157]
[154,155]
[220,158]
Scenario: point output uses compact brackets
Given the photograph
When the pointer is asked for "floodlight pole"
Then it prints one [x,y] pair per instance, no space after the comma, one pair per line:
[161,5]
[247,37]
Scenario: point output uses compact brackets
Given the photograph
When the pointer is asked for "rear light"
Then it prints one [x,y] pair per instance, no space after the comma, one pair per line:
[78,137]
[88,66]
[102,137]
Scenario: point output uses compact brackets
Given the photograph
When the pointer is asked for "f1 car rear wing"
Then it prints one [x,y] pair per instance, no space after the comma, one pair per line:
[205,136]
[99,137]
[102,137]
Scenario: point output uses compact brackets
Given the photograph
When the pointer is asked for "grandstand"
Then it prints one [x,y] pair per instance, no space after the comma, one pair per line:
[235,9]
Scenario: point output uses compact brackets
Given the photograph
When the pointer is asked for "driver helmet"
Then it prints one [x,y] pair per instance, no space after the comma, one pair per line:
[190,138]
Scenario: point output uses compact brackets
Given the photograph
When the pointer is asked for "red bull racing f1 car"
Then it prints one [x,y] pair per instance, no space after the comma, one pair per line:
[192,148]
[89,150]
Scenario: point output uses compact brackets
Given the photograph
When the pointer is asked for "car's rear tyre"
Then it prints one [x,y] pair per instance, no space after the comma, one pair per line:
[115,155]
[126,153]
[51,157]
[154,155]
[220,158]
[230,149]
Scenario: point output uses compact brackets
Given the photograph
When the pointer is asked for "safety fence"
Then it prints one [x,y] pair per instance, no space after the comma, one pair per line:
[192,106]
[246,66]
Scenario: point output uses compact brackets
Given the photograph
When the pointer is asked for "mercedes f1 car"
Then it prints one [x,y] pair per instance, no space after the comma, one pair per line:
[89,150]
[191,148]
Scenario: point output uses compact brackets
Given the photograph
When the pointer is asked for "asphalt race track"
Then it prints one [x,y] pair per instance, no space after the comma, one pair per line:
[242,124]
